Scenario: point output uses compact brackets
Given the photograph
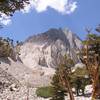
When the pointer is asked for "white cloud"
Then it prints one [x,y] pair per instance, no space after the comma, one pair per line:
[61,6]
[4,19]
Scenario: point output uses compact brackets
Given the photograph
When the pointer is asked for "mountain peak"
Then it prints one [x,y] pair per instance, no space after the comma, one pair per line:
[44,49]
[51,35]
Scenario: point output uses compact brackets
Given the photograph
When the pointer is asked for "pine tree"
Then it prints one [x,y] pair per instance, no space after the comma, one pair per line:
[58,89]
[91,57]
[79,79]
[61,80]
[8,7]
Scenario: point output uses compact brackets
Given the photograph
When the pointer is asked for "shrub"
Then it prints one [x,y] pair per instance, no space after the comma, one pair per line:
[45,92]
[5,48]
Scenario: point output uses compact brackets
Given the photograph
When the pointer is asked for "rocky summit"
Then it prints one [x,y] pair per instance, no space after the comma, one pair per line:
[45,49]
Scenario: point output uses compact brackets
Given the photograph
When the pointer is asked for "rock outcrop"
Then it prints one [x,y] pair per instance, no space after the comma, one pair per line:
[44,50]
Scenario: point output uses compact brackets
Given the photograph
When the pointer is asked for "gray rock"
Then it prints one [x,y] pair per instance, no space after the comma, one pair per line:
[46,49]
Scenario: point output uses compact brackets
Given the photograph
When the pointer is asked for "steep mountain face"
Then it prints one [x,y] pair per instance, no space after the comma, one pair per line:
[44,50]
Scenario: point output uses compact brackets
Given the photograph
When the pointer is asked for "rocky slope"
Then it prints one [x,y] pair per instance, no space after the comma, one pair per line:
[16,72]
[16,80]
[44,50]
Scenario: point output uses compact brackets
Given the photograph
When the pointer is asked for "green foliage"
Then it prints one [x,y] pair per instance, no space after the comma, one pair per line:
[92,39]
[79,79]
[58,96]
[92,48]
[8,7]
[58,83]
[80,72]
[59,90]
[91,58]
[45,92]
[5,48]
[83,74]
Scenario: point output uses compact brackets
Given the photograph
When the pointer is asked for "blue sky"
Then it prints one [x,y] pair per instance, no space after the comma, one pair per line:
[86,14]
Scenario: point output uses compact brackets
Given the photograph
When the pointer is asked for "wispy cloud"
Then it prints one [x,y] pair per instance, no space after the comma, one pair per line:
[61,6]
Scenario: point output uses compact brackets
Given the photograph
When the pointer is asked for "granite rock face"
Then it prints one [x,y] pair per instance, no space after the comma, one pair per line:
[45,49]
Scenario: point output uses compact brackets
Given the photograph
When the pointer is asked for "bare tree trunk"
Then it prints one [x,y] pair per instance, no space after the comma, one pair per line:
[66,83]
[69,90]
[95,83]
[94,73]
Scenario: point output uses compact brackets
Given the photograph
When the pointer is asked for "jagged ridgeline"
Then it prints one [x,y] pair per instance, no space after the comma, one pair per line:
[46,48]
